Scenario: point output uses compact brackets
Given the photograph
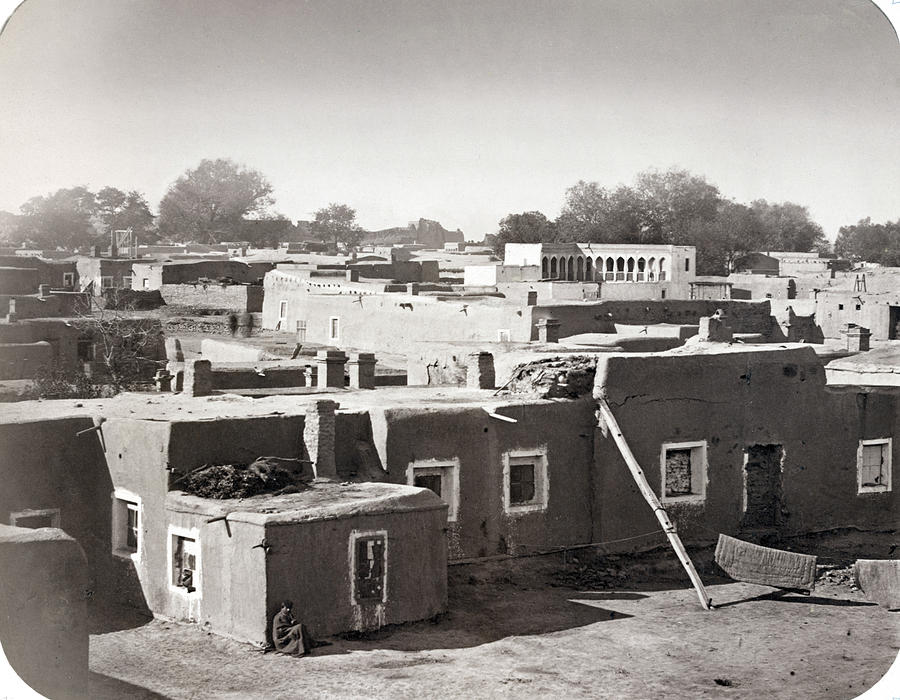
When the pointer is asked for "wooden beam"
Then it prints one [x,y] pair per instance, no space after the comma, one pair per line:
[649,496]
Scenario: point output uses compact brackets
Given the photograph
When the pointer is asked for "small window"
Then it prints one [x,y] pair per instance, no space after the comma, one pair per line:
[525,481]
[873,466]
[106,282]
[683,467]
[68,279]
[85,350]
[34,519]
[145,283]
[503,335]
[127,282]
[687,264]
[282,310]
[858,307]
[334,328]
[126,524]
[369,557]
[440,477]
[840,307]
[301,331]
[184,562]
[662,293]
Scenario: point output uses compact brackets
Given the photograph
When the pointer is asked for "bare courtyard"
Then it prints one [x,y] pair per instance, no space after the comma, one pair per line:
[518,628]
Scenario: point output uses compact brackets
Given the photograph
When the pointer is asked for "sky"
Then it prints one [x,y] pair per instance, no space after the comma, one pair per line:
[461,111]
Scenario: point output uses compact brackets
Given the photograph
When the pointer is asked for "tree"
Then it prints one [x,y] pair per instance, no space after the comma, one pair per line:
[593,214]
[671,203]
[787,227]
[734,232]
[337,223]
[878,243]
[207,204]
[63,218]
[118,210]
[527,227]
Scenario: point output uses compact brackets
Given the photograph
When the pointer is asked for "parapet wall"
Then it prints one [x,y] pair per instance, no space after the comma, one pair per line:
[225,297]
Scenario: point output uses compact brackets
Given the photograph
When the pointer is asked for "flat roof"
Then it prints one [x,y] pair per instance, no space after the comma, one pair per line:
[319,501]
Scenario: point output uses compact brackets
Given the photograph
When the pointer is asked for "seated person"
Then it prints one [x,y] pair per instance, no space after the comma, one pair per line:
[288,635]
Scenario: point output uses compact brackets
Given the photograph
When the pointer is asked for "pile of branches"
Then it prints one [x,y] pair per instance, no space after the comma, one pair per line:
[556,377]
[265,475]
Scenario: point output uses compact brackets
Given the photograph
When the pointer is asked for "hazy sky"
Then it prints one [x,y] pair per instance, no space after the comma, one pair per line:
[456,110]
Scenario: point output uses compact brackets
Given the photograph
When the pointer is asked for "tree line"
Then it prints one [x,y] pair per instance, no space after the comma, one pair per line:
[217,201]
[672,207]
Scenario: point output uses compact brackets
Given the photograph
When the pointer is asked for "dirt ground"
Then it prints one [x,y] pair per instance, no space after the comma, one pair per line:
[540,627]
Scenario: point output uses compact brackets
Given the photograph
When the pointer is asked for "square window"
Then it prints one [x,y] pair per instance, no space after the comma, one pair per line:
[369,576]
[34,519]
[106,282]
[503,335]
[126,282]
[873,466]
[68,279]
[441,477]
[858,307]
[683,471]
[525,481]
[840,307]
[126,524]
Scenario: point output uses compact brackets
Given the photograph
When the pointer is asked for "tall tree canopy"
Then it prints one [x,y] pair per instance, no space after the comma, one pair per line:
[671,202]
[878,243]
[787,226]
[336,223]
[117,210]
[63,218]
[593,214]
[527,227]
[207,204]
[735,231]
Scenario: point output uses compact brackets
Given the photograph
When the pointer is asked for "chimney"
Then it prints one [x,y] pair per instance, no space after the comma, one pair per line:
[318,438]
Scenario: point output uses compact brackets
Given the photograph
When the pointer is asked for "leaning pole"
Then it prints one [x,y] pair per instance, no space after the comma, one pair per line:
[650,497]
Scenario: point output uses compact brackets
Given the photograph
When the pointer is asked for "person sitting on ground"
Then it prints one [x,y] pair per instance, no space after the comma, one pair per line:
[288,635]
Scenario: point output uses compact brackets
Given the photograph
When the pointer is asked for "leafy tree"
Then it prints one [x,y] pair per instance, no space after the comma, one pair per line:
[63,218]
[671,203]
[118,210]
[527,227]
[734,232]
[787,227]
[337,223]
[9,226]
[208,203]
[878,243]
[593,214]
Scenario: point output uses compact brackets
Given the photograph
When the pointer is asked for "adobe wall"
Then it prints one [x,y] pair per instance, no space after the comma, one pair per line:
[600,317]
[310,564]
[47,465]
[390,322]
[478,441]
[229,297]
[231,597]
[734,400]
[871,311]
[34,306]
[23,360]
[19,280]
[44,626]
[750,286]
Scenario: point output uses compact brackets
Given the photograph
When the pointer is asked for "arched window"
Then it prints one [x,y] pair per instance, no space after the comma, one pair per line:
[629,276]
[662,269]
[545,268]
[641,269]
[651,273]
[579,269]
[570,270]
[553,268]
[610,269]
[589,269]
[620,269]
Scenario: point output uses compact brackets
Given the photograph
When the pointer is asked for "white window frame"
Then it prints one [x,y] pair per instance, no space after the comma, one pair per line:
[121,498]
[537,457]
[887,451]
[103,282]
[336,337]
[448,470]
[699,471]
[355,536]
[194,534]
[68,279]
[52,513]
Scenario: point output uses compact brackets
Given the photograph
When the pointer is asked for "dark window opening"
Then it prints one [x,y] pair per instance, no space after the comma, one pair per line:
[370,569]
[86,350]
[678,472]
[428,481]
[184,562]
[763,478]
[131,528]
[34,521]
[521,483]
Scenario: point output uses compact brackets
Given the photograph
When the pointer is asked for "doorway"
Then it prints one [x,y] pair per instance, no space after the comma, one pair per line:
[893,323]
[763,495]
